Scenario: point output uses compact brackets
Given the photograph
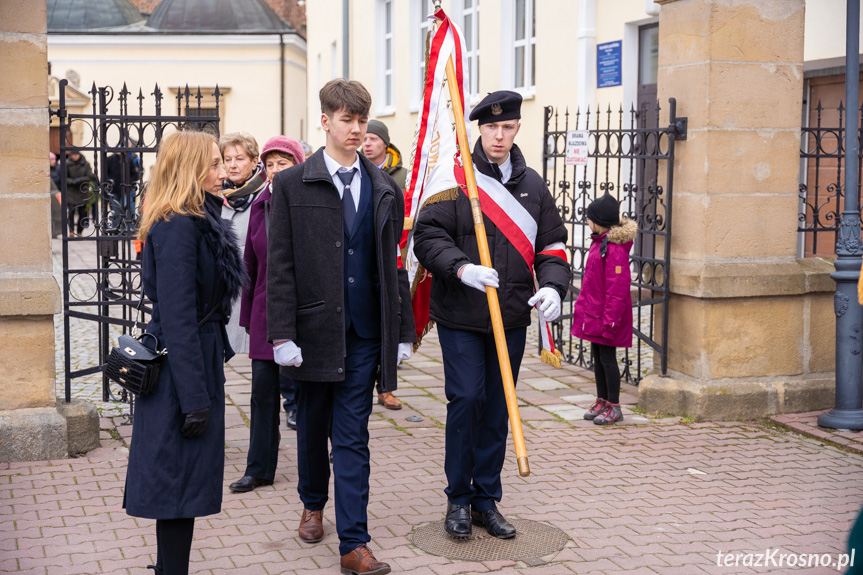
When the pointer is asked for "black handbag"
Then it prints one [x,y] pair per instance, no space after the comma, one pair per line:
[133,364]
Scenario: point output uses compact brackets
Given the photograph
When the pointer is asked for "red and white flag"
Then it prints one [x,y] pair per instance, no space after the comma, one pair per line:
[437,174]
[433,155]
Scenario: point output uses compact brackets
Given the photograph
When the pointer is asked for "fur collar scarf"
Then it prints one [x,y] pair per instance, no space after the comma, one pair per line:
[222,242]
[620,234]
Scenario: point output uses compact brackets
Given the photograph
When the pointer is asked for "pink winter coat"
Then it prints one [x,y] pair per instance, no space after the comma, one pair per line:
[603,310]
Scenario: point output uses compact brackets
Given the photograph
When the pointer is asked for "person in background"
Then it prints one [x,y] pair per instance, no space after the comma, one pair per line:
[279,153]
[602,313]
[384,154]
[307,149]
[246,180]
[56,206]
[55,169]
[338,308]
[378,148]
[81,185]
[191,271]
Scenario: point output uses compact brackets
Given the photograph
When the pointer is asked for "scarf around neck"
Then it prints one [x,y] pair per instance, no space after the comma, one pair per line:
[240,198]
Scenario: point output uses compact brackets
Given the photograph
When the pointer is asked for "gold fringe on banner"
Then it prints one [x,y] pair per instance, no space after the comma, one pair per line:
[427,329]
[552,359]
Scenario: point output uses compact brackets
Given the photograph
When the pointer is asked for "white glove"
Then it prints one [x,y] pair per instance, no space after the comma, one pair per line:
[287,353]
[478,277]
[549,303]
[406,350]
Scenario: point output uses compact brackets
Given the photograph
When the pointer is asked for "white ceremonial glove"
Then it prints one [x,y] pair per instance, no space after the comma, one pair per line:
[406,350]
[549,303]
[288,354]
[478,277]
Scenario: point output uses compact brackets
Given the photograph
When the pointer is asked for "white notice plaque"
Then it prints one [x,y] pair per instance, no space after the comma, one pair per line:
[576,148]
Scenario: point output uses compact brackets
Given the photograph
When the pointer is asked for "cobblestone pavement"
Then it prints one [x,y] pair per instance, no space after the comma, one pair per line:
[652,496]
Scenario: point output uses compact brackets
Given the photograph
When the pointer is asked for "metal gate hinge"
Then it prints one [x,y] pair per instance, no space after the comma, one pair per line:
[678,128]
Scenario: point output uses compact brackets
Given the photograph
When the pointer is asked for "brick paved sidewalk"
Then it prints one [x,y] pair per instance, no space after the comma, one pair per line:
[648,497]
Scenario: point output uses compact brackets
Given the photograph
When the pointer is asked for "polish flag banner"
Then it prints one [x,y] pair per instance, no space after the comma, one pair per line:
[434,154]
[437,174]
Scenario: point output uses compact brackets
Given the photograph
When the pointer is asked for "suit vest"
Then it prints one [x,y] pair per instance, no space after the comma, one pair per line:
[361,280]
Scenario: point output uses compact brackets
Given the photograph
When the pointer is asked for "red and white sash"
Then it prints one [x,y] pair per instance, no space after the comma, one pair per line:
[520,229]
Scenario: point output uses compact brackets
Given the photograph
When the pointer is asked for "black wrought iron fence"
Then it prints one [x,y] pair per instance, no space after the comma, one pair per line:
[101,267]
[822,181]
[630,157]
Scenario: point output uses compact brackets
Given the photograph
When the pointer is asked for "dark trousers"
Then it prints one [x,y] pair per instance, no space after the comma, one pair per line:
[351,404]
[264,434]
[174,544]
[476,415]
[76,218]
[289,393]
[607,372]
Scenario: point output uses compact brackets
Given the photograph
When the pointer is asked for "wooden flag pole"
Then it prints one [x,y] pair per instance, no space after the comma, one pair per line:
[485,259]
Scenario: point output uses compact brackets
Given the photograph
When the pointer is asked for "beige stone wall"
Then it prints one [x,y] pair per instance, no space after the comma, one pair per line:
[28,293]
[751,328]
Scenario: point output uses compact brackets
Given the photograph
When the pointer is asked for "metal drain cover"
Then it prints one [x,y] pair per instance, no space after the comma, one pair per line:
[533,540]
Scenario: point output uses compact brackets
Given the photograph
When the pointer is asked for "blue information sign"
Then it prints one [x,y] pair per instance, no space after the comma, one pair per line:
[608,67]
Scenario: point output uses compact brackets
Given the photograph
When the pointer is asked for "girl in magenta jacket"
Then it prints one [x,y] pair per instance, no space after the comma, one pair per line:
[603,310]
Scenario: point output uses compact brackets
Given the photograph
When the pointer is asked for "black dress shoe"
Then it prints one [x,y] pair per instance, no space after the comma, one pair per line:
[249,483]
[457,522]
[495,523]
[291,419]
[157,568]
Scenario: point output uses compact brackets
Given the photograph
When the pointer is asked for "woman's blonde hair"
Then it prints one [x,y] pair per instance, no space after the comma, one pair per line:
[177,179]
[242,140]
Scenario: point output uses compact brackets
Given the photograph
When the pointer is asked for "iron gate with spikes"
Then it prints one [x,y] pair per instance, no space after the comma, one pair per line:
[631,157]
[101,265]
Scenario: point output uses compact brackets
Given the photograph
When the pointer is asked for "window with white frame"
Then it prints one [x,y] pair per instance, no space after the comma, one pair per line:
[524,44]
[386,52]
[470,32]
[333,61]
[420,9]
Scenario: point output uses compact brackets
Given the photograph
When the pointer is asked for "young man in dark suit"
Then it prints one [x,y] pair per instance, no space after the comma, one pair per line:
[337,308]
[445,244]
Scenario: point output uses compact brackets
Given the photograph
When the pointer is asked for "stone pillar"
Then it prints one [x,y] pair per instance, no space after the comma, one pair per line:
[30,426]
[751,327]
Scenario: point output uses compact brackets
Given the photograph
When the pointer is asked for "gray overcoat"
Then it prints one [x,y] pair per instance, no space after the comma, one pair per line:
[305,270]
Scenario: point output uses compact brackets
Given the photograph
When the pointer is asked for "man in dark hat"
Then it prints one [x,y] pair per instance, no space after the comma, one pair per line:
[446,245]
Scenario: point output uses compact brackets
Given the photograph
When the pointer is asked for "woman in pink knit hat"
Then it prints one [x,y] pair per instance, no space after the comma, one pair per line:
[279,153]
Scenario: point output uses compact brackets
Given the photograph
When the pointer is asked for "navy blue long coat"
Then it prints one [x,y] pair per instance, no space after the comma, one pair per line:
[188,264]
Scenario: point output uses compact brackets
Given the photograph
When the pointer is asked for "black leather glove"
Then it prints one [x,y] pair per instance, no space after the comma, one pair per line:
[196,423]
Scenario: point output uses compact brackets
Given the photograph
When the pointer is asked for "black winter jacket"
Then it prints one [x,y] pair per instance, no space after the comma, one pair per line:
[305,270]
[79,179]
[444,241]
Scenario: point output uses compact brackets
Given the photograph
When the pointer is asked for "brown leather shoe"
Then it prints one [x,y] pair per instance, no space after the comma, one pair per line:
[311,526]
[360,561]
[388,400]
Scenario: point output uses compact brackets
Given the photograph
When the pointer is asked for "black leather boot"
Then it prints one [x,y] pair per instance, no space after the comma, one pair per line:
[457,522]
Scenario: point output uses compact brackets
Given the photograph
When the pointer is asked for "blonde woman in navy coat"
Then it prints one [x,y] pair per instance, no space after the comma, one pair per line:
[190,264]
